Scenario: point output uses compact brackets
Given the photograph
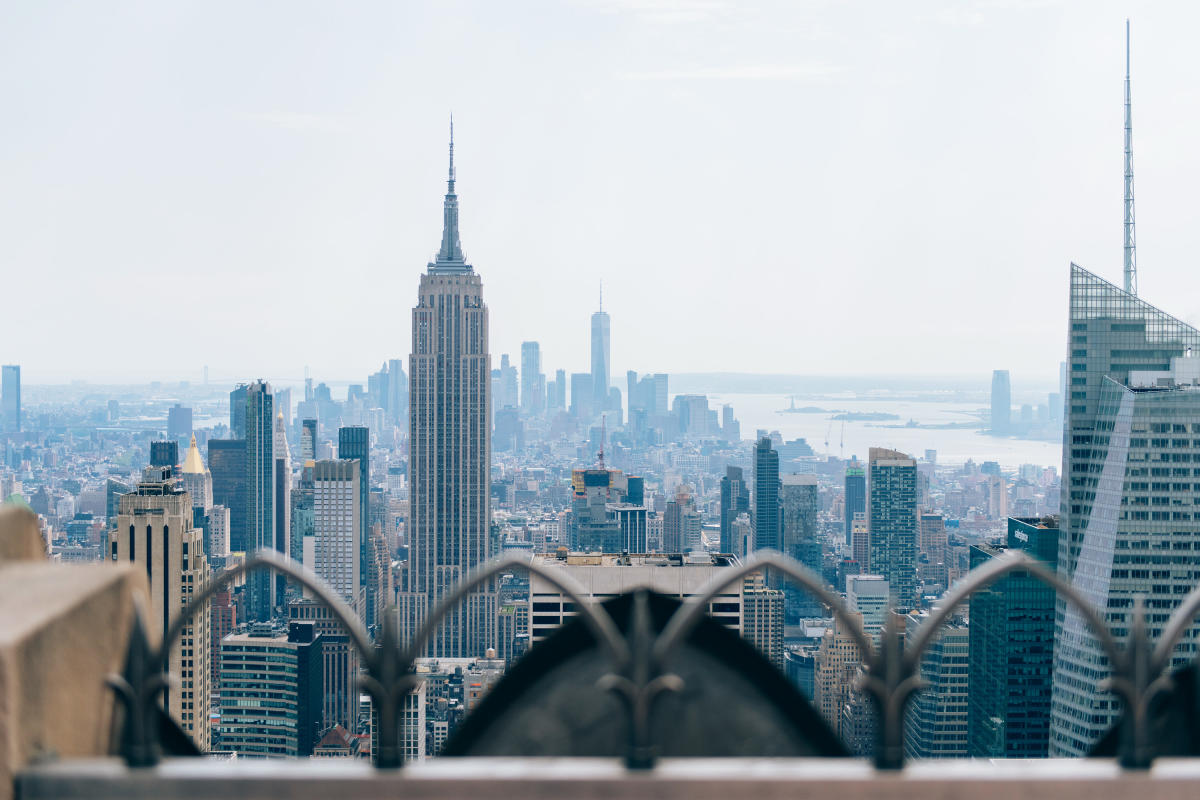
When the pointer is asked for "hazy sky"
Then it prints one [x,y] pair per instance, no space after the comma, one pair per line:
[807,187]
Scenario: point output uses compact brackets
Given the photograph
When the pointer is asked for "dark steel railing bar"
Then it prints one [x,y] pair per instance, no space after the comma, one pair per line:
[596,618]
[270,559]
[686,618]
[999,567]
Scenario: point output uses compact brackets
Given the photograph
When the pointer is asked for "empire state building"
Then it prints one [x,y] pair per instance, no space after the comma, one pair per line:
[449,448]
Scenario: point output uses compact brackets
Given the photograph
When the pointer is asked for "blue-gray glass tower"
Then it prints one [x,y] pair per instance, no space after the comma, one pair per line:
[798,535]
[766,496]
[227,463]
[1012,650]
[260,495]
[449,448]
[893,522]
[856,496]
[735,500]
[1001,402]
[1131,469]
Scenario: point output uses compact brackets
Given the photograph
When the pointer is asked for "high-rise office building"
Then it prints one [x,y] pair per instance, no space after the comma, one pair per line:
[449,448]
[1001,402]
[735,500]
[154,528]
[893,522]
[335,544]
[260,494]
[766,496]
[936,722]
[932,541]
[354,442]
[339,663]
[271,684]
[196,479]
[869,596]
[856,495]
[237,412]
[560,390]
[1011,650]
[283,406]
[227,463]
[179,422]
[601,354]
[308,440]
[283,500]
[397,406]
[10,398]
[798,539]
[583,401]
[1132,411]
[164,454]
[533,382]
[506,391]
[837,661]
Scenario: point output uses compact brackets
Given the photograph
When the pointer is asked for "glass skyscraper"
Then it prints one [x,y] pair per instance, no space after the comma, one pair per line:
[1012,647]
[260,494]
[735,499]
[893,522]
[766,497]
[601,351]
[1131,463]
[1001,402]
[856,496]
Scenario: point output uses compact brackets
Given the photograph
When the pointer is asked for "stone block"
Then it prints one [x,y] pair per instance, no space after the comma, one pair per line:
[20,537]
[63,630]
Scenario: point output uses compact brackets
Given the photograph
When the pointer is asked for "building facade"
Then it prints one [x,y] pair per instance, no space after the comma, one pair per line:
[259,421]
[855,500]
[1130,470]
[766,496]
[893,524]
[154,528]
[449,447]
[271,691]
[1012,650]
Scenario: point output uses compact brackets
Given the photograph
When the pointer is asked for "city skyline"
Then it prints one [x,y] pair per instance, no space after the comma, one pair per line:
[366,228]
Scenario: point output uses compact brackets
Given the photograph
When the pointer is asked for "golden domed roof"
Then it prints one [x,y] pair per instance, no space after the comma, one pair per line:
[193,464]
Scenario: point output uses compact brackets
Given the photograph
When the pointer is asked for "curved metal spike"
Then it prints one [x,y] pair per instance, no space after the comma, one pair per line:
[138,688]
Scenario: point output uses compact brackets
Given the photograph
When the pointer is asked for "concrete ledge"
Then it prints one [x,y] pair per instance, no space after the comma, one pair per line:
[63,629]
[679,779]
[20,536]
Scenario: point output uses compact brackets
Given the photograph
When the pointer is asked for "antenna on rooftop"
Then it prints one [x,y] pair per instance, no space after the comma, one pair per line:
[1130,237]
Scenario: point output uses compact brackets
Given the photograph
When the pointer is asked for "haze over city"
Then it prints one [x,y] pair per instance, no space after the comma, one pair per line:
[815,188]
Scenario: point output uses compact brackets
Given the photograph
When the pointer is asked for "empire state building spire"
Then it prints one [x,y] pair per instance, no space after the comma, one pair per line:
[450,258]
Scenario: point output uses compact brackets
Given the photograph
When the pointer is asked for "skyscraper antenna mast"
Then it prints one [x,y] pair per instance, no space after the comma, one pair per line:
[1130,234]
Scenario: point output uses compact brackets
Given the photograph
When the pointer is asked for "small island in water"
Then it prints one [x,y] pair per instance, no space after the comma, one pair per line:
[865,416]
[791,409]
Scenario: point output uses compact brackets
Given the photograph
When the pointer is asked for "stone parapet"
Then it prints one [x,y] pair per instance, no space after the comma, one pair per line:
[63,628]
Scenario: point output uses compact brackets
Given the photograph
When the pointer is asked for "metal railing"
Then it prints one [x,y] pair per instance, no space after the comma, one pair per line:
[640,662]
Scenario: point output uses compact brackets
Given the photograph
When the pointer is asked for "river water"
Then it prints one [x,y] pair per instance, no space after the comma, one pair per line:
[953,446]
